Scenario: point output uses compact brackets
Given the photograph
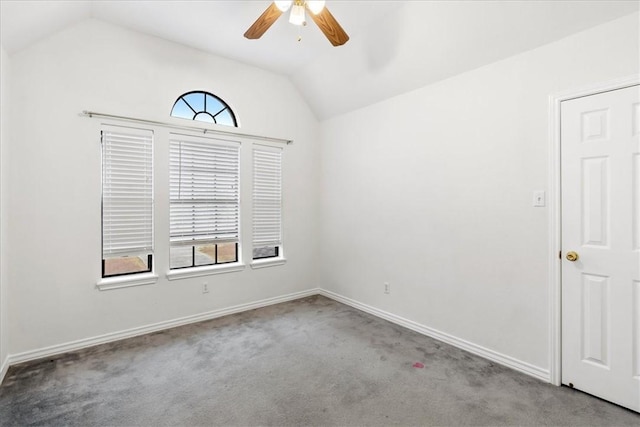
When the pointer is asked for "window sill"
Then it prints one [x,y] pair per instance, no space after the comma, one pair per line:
[271,262]
[126,281]
[184,273]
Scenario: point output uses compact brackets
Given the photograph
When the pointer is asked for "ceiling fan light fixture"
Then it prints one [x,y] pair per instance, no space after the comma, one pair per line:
[297,15]
[315,6]
[317,11]
[283,5]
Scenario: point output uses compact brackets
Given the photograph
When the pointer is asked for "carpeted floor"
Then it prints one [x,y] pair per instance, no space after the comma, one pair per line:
[307,362]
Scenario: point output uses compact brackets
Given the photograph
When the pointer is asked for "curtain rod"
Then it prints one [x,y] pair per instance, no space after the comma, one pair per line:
[92,114]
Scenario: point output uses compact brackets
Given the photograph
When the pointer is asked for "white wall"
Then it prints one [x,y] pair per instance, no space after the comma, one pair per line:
[432,191]
[55,175]
[4,139]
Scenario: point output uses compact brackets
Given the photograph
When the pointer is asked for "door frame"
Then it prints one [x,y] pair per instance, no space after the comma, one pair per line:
[555,214]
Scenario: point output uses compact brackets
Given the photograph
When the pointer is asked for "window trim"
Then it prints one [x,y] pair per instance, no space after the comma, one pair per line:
[126,281]
[206,270]
[268,262]
[105,282]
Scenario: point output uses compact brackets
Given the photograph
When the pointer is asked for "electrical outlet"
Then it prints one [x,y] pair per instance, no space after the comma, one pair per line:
[387,288]
[205,288]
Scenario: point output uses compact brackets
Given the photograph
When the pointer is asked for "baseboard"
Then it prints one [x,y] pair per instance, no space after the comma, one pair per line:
[494,356]
[4,367]
[26,356]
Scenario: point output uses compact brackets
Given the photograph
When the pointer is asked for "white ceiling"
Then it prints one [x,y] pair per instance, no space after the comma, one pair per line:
[395,46]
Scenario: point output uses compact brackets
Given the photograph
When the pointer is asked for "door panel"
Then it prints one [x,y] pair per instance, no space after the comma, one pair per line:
[595,125]
[595,218]
[600,149]
[595,319]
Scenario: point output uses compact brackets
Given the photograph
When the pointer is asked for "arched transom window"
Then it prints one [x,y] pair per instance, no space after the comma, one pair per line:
[204,107]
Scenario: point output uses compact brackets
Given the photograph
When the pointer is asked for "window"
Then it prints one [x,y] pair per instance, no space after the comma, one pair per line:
[127,201]
[267,202]
[204,201]
[204,107]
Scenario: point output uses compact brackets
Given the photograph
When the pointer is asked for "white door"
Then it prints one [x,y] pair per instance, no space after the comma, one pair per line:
[600,140]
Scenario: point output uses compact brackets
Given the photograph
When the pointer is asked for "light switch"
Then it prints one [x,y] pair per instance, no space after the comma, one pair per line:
[539,198]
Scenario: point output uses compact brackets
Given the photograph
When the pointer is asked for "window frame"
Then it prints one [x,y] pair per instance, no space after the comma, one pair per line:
[279,258]
[216,263]
[205,111]
[148,270]
[137,277]
[198,270]
[162,135]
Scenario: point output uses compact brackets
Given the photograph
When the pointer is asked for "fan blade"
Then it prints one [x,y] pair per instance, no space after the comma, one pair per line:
[330,27]
[263,23]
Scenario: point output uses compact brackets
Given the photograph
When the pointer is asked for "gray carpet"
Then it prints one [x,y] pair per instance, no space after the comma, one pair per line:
[308,362]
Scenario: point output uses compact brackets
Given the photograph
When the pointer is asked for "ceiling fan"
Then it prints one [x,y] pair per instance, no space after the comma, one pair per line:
[318,12]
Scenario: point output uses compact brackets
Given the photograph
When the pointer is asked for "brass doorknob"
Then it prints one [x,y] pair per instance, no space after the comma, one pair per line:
[572,256]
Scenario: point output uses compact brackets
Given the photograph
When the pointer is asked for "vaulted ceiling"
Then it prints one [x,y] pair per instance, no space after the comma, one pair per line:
[395,46]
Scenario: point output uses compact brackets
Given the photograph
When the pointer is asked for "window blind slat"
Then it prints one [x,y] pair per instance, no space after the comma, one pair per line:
[127,193]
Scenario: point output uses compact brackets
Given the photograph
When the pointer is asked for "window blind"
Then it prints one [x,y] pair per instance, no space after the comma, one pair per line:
[127,192]
[267,196]
[204,191]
